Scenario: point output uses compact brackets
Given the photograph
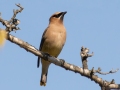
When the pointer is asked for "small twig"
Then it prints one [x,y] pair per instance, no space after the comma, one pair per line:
[13,22]
[84,55]
[92,71]
[16,12]
[112,82]
[4,22]
[104,73]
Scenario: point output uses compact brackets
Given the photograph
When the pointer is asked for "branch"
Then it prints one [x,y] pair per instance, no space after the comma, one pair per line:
[84,55]
[60,62]
[13,22]
[16,12]
[104,73]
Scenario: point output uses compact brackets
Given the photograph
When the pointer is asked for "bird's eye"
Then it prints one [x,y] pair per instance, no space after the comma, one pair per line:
[57,15]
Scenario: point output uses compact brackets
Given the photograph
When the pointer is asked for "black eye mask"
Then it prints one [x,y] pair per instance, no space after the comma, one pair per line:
[58,15]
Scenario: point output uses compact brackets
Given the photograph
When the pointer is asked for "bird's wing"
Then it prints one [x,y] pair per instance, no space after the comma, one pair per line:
[40,48]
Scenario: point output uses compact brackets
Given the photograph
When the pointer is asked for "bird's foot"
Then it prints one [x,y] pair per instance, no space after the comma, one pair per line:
[62,62]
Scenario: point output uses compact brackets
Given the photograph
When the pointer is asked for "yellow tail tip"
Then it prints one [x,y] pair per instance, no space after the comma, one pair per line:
[42,84]
[3,36]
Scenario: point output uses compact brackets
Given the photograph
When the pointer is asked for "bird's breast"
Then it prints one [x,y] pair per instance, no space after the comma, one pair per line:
[54,42]
[58,39]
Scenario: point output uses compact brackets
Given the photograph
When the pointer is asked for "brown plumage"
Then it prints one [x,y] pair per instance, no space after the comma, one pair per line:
[52,42]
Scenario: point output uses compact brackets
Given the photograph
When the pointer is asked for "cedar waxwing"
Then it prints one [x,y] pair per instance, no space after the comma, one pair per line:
[52,42]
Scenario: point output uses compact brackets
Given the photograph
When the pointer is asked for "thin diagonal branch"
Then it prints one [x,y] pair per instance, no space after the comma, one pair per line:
[104,73]
[61,63]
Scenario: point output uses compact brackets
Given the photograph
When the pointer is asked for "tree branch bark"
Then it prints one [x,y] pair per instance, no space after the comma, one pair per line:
[62,63]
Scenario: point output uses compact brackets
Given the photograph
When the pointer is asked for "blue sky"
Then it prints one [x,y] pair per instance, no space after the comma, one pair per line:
[90,23]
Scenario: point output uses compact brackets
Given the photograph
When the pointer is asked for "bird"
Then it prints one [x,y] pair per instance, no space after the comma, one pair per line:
[52,42]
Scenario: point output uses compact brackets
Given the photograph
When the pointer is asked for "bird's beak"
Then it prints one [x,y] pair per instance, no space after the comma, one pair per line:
[62,16]
[63,13]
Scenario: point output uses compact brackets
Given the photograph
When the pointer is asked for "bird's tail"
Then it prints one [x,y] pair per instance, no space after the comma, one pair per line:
[38,62]
[43,79]
[45,66]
